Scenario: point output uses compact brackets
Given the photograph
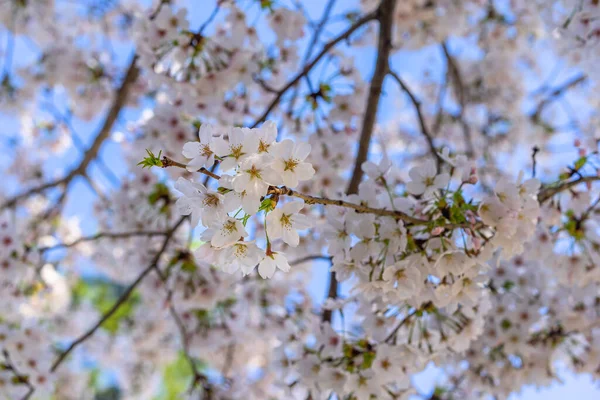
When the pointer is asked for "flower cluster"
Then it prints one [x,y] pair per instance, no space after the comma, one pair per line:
[256,164]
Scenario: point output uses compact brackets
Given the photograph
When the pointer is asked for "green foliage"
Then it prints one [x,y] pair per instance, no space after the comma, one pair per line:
[580,163]
[103,295]
[177,377]
[160,192]
[151,160]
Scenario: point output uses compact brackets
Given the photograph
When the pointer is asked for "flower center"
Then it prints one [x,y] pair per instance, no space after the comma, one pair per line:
[229,227]
[286,221]
[241,250]
[400,274]
[211,200]
[254,172]
[291,164]
[206,151]
[236,151]
[263,147]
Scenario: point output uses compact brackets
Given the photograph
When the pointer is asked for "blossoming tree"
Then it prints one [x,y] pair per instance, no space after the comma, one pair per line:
[175,185]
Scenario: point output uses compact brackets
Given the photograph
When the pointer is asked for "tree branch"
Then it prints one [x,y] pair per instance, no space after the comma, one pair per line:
[559,91]
[454,72]
[92,152]
[385,14]
[547,192]
[424,130]
[344,35]
[121,299]
[101,235]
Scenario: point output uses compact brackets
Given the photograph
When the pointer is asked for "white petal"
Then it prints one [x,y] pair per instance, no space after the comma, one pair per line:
[266,268]
[250,204]
[285,148]
[290,179]
[290,236]
[304,171]
[282,262]
[191,149]
[302,151]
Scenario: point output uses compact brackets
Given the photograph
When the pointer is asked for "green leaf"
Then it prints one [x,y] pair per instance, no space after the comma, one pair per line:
[580,163]
[103,295]
[177,377]
[151,160]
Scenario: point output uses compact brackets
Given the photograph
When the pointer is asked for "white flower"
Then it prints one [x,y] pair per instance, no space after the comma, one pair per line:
[289,162]
[241,255]
[203,204]
[253,180]
[267,266]
[201,153]
[241,144]
[405,279]
[336,235]
[334,379]
[266,135]
[425,180]
[395,232]
[330,342]
[229,232]
[364,384]
[365,231]
[284,222]
[377,171]
[453,261]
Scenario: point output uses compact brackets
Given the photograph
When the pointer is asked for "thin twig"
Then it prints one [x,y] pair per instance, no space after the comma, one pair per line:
[311,46]
[111,117]
[556,93]
[126,294]
[344,35]
[547,192]
[101,235]
[424,130]
[454,72]
[310,258]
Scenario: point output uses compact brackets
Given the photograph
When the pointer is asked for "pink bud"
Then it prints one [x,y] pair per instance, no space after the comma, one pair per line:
[437,230]
[582,152]
[473,179]
[577,142]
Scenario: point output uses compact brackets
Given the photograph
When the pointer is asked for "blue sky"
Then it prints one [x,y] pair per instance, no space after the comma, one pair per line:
[409,63]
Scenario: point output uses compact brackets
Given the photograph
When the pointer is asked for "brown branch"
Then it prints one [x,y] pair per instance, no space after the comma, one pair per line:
[80,170]
[310,258]
[121,299]
[424,130]
[553,95]
[283,191]
[454,72]
[308,199]
[313,41]
[549,191]
[385,14]
[101,235]
[8,365]
[344,35]
[168,162]
[185,339]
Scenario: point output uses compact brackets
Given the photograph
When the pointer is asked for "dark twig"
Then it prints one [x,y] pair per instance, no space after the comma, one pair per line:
[424,130]
[344,35]
[124,297]
[534,151]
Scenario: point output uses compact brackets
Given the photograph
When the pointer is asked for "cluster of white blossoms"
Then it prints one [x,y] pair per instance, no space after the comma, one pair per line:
[254,163]
[405,191]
